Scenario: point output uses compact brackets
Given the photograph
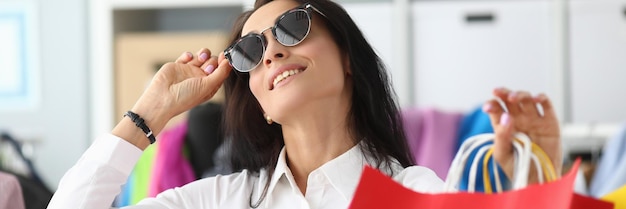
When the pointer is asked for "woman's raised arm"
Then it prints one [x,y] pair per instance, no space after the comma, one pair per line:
[97,177]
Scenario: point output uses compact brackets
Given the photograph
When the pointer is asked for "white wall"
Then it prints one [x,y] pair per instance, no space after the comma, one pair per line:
[598,60]
[60,122]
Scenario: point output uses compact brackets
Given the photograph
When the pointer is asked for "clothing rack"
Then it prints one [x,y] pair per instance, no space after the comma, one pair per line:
[17,154]
[18,158]
[587,137]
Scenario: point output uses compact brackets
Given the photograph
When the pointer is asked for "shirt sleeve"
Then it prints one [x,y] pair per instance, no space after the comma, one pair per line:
[97,177]
[420,179]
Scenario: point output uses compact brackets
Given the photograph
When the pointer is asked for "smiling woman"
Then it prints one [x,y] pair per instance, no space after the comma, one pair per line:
[307,107]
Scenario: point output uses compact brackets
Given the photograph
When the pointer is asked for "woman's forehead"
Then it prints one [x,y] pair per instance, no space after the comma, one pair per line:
[266,15]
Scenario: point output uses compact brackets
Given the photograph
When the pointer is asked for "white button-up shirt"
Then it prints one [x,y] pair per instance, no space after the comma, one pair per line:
[98,175]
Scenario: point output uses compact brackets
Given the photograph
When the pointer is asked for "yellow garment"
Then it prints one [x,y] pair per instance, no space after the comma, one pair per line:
[617,197]
[142,174]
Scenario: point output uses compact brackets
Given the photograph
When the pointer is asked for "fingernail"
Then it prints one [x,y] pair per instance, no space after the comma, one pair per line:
[189,54]
[203,56]
[504,119]
[209,69]
[487,107]
[540,98]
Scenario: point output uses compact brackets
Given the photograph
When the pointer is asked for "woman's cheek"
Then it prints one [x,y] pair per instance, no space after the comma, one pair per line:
[256,84]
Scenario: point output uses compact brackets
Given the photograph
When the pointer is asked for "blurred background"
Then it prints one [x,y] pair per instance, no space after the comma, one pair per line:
[69,69]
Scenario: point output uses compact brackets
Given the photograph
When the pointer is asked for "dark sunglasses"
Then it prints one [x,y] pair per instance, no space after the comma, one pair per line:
[290,29]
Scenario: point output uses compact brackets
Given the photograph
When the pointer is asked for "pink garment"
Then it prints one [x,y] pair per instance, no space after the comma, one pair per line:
[431,135]
[10,192]
[170,168]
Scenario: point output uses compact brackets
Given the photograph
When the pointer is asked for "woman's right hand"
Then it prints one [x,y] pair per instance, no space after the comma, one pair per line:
[177,87]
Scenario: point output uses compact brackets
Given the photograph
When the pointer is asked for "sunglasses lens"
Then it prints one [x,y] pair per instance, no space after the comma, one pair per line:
[289,30]
[292,28]
[247,54]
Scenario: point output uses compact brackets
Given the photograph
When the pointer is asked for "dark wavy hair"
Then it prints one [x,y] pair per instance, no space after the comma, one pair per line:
[374,116]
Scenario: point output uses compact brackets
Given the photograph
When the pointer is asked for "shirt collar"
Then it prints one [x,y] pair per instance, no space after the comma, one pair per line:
[280,170]
[343,172]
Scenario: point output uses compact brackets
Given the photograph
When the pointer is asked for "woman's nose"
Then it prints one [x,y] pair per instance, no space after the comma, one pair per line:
[274,50]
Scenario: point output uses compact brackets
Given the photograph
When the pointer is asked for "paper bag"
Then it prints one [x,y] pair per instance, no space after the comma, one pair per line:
[375,190]
[617,197]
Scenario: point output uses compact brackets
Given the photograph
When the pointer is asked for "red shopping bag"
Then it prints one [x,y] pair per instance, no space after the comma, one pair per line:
[375,190]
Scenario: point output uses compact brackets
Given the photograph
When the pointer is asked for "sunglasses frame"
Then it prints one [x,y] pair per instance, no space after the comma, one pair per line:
[306,7]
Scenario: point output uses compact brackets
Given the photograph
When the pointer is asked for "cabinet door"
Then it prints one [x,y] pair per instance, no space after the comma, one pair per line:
[598,60]
[464,49]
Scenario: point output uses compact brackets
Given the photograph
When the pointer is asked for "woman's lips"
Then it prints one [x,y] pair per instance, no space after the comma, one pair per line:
[284,72]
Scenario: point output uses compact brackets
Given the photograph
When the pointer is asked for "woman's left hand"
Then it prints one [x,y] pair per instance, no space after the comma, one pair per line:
[523,116]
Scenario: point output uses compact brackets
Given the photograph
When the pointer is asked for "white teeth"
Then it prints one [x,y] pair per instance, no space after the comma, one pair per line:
[285,74]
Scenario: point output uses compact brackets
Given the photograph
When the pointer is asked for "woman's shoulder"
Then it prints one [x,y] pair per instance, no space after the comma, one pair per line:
[419,178]
[230,191]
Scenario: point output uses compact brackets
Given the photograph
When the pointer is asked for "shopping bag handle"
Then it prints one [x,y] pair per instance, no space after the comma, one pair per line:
[525,152]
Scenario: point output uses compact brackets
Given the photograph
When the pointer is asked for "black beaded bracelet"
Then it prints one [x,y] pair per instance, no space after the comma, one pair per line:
[139,122]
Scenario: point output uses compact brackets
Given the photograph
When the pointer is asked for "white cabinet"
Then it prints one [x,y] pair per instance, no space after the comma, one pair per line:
[144,4]
[109,19]
[598,60]
[464,49]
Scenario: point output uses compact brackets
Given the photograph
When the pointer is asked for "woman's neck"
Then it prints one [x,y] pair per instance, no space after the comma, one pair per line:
[313,142]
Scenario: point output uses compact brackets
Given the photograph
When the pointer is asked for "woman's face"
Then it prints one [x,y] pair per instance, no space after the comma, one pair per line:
[315,77]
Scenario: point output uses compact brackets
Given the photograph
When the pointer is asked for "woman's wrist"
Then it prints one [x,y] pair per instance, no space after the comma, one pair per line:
[155,118]
[127,130]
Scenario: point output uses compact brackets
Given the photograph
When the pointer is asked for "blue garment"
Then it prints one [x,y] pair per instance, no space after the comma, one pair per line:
[123,199]
[480,186]
[476,122]
[611,171]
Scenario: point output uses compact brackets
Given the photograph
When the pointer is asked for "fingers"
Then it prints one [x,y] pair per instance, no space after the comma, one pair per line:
[546,105]
[509,106]
[222,57]
[220,73]
[214,80]
[519,111]
[502,124]
[209,66]
[521,102]
[184,58]
[201,57]
[494,110]
[202,60]
[503,143]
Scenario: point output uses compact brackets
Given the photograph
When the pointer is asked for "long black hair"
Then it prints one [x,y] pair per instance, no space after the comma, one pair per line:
[374,117]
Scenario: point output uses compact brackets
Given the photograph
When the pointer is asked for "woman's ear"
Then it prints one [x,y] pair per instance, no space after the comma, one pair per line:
[346,64]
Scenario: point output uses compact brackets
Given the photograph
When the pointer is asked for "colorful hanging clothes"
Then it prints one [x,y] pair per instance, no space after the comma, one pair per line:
[170,158]
[474,123]
[431,135]
[611,171]
[136,188]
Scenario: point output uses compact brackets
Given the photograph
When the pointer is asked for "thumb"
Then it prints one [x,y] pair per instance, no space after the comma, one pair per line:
[503,145]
